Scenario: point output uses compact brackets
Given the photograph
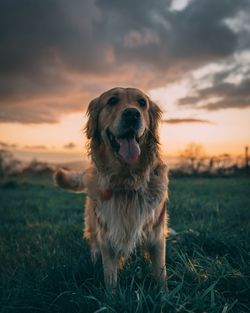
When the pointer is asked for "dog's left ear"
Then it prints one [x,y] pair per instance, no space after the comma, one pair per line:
[155,114]
[92,123]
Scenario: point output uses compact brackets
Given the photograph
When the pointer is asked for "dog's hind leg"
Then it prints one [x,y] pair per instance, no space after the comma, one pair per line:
[157,248]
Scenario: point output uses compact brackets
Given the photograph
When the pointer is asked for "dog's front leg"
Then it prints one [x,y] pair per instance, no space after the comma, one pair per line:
[109,262]
[157,252]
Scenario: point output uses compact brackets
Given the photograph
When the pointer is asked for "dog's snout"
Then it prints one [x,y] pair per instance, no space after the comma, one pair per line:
[131,116]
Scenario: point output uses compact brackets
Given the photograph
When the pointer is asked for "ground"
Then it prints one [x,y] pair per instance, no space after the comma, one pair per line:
[45,264]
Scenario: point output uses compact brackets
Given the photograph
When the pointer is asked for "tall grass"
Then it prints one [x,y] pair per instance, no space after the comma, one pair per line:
[45,264]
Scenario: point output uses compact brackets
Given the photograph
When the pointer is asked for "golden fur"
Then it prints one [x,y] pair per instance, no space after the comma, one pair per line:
[126,184]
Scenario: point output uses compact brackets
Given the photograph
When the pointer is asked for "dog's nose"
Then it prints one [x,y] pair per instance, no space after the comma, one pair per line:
[131,116]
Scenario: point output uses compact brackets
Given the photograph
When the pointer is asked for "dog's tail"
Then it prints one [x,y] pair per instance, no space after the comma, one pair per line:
[70,180]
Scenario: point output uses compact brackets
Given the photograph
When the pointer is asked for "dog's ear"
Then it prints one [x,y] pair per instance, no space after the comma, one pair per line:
[155,114]
[92,123]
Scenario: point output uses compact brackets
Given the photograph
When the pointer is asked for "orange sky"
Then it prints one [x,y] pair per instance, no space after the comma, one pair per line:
[192,57]
[227,132]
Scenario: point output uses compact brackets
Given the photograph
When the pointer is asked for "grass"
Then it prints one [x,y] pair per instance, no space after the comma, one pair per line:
[45,265]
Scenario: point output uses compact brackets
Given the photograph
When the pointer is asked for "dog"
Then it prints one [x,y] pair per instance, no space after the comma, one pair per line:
[126,184]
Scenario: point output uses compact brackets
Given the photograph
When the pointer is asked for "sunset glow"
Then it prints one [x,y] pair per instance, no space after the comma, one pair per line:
[198,73]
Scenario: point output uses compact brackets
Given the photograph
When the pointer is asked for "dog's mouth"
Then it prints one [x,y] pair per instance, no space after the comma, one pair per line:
[125,146]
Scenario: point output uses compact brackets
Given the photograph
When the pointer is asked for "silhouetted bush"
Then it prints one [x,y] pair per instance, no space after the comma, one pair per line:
[194,162]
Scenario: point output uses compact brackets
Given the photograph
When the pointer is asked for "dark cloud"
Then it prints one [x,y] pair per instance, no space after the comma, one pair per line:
[227,104]
[177,41]
[39,110]
[69,145]
[199,32]
[72,50]
[229,95]
[185,121]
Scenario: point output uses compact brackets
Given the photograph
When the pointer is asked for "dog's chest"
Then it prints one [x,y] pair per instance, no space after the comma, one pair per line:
[125,214]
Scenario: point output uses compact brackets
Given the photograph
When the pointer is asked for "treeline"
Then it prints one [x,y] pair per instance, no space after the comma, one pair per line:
[10,166]
[191,162]
[194,162]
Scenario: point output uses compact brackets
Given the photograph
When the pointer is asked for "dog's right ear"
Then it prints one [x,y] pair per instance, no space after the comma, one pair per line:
[92,123]
[155,114]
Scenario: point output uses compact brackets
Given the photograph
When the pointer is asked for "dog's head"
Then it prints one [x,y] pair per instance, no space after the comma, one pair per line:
[123,123]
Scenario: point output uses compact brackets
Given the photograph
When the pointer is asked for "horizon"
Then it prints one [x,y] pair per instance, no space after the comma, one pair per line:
[60,157]
[197,72]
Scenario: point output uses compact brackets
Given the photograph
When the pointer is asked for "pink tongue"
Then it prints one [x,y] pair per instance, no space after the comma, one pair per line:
[129,150]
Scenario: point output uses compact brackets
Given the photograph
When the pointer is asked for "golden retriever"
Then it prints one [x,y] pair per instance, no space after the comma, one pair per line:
[127,183]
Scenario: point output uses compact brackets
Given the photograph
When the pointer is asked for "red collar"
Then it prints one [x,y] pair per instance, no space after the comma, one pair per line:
[106,194]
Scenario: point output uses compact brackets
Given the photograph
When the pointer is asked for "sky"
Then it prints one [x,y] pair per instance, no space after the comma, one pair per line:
[192,57]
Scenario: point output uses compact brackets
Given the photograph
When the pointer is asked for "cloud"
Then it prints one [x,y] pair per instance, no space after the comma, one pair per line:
[228,95]
[41,110]
[35,147]
[5,145]
[56,55]
[185,121]
[69,145]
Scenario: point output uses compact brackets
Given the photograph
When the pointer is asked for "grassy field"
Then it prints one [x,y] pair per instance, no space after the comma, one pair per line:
[45,265]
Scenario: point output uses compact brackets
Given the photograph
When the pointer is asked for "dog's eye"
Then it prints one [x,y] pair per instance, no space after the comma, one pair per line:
[113,101]
[142,102]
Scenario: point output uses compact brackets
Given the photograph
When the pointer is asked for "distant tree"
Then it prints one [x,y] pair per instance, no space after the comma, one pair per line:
[4,155]
[193,159]
[224,163]
[36,167]
[8,164]
[246,158]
